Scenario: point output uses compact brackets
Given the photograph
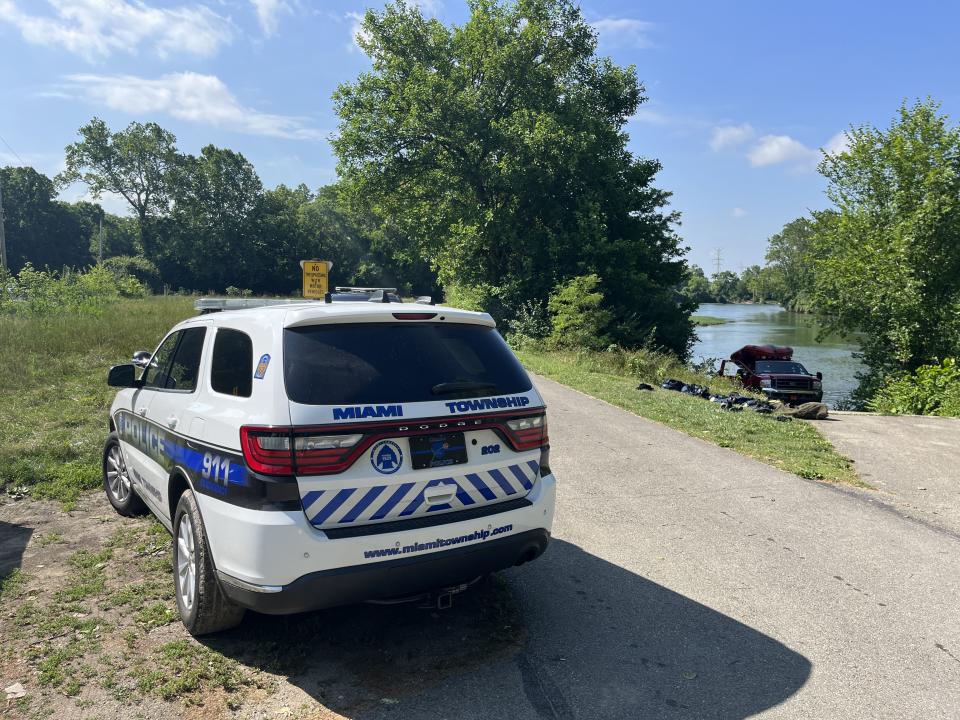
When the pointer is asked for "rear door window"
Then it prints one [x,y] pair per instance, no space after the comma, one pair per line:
[231,369]
[369,363]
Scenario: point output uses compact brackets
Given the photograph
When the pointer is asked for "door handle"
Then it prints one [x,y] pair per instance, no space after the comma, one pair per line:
[172,422]
[439,495]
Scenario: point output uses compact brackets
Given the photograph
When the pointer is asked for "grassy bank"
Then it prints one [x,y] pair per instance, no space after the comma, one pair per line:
[54,397]
[707,320]
[795,446]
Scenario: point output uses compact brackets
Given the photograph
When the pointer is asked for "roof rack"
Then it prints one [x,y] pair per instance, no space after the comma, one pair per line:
[212,305]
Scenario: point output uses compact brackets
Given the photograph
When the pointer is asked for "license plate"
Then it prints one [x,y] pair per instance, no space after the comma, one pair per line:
[440,450]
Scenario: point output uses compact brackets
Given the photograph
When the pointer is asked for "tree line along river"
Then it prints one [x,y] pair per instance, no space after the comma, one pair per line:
[771,324]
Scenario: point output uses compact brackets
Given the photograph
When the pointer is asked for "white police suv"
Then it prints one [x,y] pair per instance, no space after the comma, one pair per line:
[313,454]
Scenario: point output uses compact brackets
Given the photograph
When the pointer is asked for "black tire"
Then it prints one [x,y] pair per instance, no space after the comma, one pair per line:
[117,483]
[203,607]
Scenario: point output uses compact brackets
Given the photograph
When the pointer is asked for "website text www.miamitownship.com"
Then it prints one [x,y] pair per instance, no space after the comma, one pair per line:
[436,544]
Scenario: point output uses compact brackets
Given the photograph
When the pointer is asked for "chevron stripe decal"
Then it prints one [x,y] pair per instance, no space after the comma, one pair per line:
[342,507]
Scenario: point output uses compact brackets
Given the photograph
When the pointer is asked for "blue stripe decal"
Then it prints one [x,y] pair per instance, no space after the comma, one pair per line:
[535,466]
[463,496]
[515,469]
[331,507]
[310,498]
[481,486]
[414,504]
[193,460]
[391,503]
[502,482]
[364,503]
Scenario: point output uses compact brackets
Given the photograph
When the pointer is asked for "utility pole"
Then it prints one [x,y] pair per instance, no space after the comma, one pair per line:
[717,257]
[3,237]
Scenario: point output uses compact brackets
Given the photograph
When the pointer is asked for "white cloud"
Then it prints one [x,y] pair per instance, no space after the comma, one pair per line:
[95,29]
[782,149]
[428,8]
[730,135]
[356,30]
[624,32]
[738,213]
[839,143]
[268,12]
[189,96]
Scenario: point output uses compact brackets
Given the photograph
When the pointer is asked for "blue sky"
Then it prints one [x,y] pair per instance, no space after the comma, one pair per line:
[741,95]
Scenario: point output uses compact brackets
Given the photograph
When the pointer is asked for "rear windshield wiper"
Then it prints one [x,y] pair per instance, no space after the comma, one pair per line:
[447,388]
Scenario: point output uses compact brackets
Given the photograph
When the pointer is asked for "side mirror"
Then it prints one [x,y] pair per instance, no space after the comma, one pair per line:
[141,358]
[819,375]
[123,376]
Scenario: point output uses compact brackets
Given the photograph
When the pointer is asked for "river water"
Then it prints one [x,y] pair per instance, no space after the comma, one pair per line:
[771,324]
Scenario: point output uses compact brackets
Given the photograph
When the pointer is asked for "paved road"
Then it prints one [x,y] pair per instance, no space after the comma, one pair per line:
[913,461]
[686,581]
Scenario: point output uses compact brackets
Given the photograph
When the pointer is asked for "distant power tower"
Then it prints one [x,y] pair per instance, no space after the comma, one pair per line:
[717,260]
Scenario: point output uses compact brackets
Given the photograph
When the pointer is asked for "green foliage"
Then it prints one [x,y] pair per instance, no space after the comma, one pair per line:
[725,286]
[887,256]
[579,316]
[529,326]
[39,230]
[38,293]
[791,258]
[496,149]
[929,390]
[696,287]
[136,267]
[137,163]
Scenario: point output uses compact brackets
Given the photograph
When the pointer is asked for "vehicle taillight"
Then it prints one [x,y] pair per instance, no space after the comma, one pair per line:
[269,451]
[528,432]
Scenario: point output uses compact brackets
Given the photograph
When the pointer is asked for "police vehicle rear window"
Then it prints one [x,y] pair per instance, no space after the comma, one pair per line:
[397,362]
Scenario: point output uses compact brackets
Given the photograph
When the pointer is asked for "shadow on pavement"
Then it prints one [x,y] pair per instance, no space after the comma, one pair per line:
[13,541]
[568,636]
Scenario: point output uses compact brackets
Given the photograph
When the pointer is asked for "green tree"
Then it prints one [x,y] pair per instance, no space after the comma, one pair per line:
[39,229]
[212,243]
[497,151]
[136,163]
[889,256]
[578,317]
[791,252]
[725,286]
[696,287]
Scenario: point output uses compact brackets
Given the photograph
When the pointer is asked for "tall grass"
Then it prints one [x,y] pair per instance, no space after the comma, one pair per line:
[54,399]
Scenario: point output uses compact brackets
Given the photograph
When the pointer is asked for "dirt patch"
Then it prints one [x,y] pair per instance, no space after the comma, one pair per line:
[89,626]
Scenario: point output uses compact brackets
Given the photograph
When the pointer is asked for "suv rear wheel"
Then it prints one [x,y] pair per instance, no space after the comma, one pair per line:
[116,480]
[203,606]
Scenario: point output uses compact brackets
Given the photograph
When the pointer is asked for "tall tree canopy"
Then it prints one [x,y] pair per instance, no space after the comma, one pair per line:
[497,150]
[136,163]
[889,254]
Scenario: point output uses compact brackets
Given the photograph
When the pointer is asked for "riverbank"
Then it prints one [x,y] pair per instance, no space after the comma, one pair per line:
[795,446]
[706,320]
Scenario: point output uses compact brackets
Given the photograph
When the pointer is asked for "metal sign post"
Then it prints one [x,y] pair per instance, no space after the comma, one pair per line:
[316,274]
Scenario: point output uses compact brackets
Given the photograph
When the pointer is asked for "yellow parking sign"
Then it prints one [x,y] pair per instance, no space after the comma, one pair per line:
[315,274]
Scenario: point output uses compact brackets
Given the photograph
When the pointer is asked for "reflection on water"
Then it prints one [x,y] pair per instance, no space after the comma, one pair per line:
[763,324]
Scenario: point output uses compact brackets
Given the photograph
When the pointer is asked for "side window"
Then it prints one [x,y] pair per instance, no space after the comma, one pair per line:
[185,368]
[155,376]
[231,371]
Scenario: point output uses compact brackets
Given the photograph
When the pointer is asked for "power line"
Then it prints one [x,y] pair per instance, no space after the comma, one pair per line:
[717,259]
[15,154]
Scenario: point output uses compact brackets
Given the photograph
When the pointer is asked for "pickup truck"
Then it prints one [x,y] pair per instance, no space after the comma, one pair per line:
[771,369]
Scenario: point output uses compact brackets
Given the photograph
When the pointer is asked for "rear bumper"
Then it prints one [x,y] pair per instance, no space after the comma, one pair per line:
[794,395]
[390,578]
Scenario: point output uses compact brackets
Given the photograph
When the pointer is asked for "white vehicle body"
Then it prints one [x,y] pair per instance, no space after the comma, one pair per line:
[295,516]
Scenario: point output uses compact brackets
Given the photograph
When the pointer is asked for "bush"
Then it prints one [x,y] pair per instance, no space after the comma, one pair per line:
[39,293]
[580,321]
[530,325]
[131,266]
[930,390]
